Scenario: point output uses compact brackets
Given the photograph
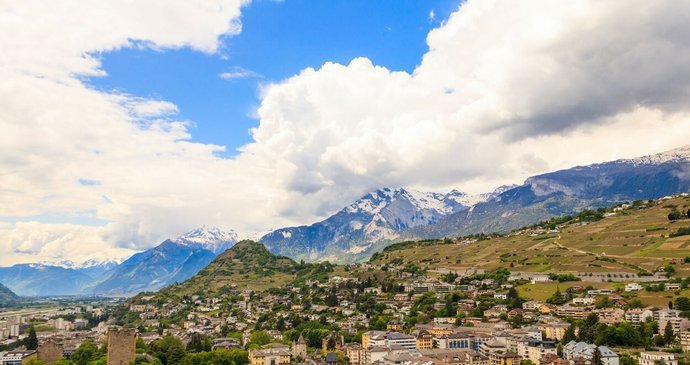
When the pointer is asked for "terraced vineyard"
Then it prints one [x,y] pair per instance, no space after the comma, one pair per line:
[625,243]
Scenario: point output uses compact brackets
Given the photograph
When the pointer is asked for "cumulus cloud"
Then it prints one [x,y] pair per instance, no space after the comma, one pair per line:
[505,91]
[500,93]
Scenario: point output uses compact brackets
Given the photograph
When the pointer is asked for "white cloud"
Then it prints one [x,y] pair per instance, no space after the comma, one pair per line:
[239,73]
[505,91]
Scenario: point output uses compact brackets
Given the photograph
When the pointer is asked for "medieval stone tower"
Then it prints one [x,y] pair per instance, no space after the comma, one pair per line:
[49,352]
[299,348]
[121,346]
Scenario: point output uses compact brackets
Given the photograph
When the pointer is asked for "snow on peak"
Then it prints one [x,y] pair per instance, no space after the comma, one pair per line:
[676,154]
[90,263]
[211,238]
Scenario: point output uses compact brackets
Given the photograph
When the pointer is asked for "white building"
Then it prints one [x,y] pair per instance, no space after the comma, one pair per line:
[648,358]
[633,287]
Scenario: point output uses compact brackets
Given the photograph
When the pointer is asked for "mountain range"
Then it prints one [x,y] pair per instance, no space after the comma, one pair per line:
[386,216]
[378,219]
[378,216]
[173,260]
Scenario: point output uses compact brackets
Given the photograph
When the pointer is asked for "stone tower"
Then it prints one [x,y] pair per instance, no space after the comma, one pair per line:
[299,348]
[121,346]
[49,351]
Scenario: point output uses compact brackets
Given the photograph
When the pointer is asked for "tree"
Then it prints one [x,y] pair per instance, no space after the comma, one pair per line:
[260,338]
[86,352]
[34,361]
[32,340]
[597,357]
[674,215]
[559,350]
[588,329]
[569,334]
[683,303]
[668,333]
[176,355]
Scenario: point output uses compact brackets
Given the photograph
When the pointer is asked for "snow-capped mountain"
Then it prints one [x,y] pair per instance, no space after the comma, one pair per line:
[569,191]
[390,215]
[174,260]
[377,216]
[210,238]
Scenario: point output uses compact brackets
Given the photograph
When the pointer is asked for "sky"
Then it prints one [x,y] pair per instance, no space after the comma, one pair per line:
[125,123]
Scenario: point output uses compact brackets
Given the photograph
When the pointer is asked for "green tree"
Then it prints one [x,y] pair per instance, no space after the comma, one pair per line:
[588,328]
[683,303]
[34,361]
[32,340]
[569,334]
[176,355]
[85,353]
[668,333]
[260,338]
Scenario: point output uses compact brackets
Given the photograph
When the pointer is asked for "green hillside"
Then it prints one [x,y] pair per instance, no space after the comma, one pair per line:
[247,265]
[636,239]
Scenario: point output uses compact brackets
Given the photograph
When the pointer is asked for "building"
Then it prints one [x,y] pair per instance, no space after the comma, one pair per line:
[685,340]
[538,349]
[276,354]
[395,325]
[574,351]
[649,358]
[49,351]
[504,358]
[608,357]
[425,340]
[610,315]
[121,346]
[633,287]
[366,336]
[355,353]
[17,357]
[665,314]
[554,330]
[334,341]
[225,344]
[402,340]
[638,315]
[299,348]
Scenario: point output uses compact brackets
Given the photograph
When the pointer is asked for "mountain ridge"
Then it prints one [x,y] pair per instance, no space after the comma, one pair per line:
[378,215]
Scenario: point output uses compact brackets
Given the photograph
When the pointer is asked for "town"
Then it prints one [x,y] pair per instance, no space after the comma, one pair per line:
[410,317]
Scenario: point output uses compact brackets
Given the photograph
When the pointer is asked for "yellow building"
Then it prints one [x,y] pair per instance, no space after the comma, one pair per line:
[425,340]
[369,334]
[504,358]
[440,330]
[395,326]
[276,355]
[554,331]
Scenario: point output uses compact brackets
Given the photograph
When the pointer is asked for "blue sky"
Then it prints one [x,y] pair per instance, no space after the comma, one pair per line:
[278,39]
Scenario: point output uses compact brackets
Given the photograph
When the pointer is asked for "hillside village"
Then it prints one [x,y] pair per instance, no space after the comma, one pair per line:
[388,311]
